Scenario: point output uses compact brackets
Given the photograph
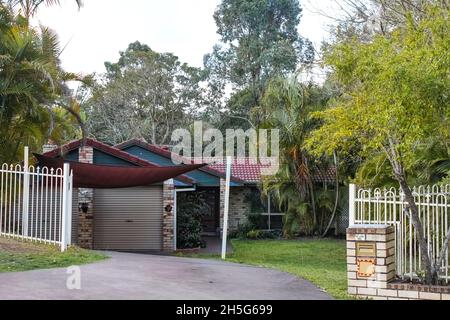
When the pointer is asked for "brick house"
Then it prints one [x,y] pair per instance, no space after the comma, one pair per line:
[210,180]
[144,218]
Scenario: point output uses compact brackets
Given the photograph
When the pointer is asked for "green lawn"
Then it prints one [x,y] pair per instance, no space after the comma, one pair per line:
[323,262]
[20,256]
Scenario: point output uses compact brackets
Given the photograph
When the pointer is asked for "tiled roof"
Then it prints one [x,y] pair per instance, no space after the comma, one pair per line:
[325,176]
[243,170]
[253,172]
[163,151]
[111,151]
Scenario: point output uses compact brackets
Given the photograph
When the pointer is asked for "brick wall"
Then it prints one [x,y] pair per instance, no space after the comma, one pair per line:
[86,197]
[168,218]
[239,206]
[379,283]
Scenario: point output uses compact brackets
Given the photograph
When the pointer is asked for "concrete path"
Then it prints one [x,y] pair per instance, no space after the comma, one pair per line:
[141,277]
[214,246]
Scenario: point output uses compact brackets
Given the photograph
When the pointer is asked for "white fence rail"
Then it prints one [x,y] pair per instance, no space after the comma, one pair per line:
[35,203]
[387,207]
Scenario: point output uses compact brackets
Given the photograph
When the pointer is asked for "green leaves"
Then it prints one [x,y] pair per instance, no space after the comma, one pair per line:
[31,83]
[395,92]
[146,94]
[259,42]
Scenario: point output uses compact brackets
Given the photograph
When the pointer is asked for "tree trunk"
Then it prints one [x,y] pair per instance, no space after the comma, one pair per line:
[80,122]
[430,274]
[395,158]
[313,204]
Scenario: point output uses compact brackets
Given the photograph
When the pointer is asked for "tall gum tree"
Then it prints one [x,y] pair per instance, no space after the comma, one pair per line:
[259,40]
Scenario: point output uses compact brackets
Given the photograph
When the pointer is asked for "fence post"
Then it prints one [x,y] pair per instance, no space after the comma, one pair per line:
[352,204]
[69,211]
[25,193]
[65,208]
[226,208]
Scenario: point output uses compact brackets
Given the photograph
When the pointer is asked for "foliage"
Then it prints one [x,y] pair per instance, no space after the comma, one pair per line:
[259,41]
[28,8]
[146,95]
[252,223]
[189,217]
[262,235]
[396,92]
[431,165]
[34,101]
[254,234]
[323,262]
[365,19]
[289,103]
[395,97]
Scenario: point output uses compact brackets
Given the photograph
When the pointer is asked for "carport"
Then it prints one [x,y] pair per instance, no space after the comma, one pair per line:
[133,218]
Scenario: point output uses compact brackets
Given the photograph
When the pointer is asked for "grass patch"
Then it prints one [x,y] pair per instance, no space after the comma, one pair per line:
[21,256]
[323,262]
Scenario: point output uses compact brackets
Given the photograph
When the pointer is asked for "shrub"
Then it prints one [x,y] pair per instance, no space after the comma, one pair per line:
[254,234]
[251,223]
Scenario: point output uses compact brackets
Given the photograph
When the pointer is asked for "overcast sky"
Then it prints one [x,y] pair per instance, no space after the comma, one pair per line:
[102,28]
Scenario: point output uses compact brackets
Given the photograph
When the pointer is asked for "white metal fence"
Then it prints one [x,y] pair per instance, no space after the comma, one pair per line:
[387,207]
[36,204]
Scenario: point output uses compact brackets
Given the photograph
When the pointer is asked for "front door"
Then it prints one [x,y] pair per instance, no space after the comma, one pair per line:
[211,214]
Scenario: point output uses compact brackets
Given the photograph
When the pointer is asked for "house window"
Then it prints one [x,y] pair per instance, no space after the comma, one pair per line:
[272,217]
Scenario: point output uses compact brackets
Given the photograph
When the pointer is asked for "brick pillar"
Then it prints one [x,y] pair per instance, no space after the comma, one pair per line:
[86,199]
[168,218]
[370,260]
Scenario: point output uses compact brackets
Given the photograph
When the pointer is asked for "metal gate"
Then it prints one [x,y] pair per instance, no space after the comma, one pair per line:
[388,207]
[36,203]
[128,219]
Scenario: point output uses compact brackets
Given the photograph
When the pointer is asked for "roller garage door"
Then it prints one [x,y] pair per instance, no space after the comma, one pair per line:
[128,219]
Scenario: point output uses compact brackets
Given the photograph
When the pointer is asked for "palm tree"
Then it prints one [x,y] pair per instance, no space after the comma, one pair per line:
[28,8]
[288,104]
[32,86]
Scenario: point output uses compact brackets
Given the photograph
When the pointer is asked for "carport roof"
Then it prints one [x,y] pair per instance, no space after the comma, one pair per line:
[115,152]
[168,154]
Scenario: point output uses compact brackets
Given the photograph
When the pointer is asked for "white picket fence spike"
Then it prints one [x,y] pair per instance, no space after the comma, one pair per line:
[35,203]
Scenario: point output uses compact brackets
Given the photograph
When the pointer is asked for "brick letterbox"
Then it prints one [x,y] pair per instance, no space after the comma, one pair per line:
[366,253]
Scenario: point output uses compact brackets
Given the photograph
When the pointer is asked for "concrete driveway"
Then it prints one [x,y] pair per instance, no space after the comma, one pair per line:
[141,277]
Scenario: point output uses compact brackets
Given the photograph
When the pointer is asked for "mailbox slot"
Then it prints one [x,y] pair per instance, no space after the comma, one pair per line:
[366,249]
